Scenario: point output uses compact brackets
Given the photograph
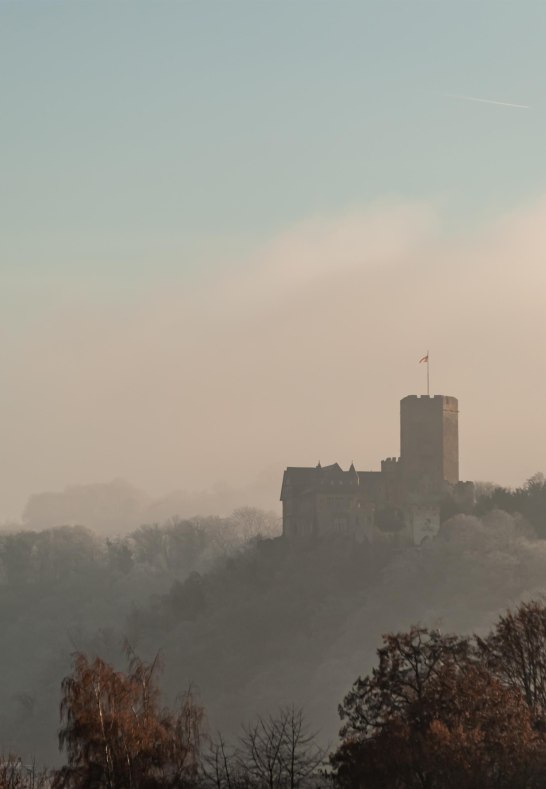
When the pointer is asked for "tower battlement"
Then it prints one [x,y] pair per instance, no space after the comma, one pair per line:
[390,465]
[447,400]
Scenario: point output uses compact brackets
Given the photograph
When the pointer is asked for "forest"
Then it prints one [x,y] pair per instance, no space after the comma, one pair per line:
[237,634]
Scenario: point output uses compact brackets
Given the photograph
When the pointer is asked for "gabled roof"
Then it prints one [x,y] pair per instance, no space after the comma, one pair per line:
[300,479]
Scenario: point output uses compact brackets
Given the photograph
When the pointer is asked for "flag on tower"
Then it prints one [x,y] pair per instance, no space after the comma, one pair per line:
[424,359]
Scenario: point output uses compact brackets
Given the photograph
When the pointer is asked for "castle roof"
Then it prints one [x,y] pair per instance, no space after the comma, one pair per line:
[303,479]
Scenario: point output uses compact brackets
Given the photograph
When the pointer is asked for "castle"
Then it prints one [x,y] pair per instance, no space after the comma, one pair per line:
[399,503]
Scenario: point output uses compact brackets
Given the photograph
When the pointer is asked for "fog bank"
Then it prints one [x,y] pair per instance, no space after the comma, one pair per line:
[296,350]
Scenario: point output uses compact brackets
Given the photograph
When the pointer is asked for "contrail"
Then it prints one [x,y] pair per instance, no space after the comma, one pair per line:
[487,101]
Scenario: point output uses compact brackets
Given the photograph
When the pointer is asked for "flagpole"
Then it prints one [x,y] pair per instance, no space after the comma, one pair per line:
[428,373]
[425,360]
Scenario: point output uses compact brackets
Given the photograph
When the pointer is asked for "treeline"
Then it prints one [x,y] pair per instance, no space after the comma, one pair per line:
[527,500]
[437,711]
[174,547]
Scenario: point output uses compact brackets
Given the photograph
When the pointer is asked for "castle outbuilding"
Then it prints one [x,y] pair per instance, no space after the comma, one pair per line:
[399,503]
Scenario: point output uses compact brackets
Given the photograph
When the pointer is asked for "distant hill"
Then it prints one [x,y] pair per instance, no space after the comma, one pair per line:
[117,507]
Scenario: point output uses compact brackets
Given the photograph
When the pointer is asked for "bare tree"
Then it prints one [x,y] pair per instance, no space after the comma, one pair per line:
[280,752]
[301,757]
[221,765]
[16,775]
[261,751]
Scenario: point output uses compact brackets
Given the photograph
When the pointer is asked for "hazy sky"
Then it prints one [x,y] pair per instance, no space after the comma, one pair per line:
[230,230]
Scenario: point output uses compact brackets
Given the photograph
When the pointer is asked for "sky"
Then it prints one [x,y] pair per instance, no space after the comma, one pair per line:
[229,230]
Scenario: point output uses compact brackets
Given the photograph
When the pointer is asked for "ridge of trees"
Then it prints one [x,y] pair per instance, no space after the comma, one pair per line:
[174,547]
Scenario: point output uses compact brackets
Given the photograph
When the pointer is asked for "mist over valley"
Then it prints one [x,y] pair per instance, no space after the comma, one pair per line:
[272,380]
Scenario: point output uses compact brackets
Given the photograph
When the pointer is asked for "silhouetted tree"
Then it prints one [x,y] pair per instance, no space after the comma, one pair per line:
[515,651]
[221,768]
[432,716]
[274,752]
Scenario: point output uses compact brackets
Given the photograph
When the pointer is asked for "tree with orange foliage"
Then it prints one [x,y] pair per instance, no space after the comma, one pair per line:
[432,716]
[116,735]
